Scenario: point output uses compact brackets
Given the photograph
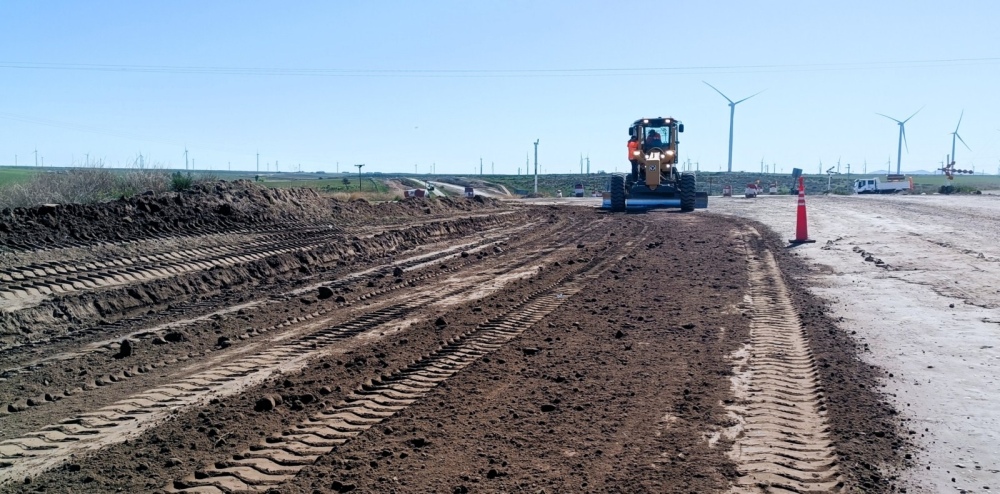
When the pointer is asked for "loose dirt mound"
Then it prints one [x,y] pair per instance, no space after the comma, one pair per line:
[219,207]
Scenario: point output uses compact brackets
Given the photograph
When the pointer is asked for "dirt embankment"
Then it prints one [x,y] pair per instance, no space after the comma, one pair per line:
[60,313]
[211,208]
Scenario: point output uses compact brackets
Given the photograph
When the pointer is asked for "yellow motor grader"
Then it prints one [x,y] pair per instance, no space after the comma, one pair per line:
[655,180]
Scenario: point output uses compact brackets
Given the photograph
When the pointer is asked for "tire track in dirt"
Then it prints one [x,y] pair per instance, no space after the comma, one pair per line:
[90,431]
[490,238]
[34,282]
[25,286]
[55,320]
[110,343]
[279,458]
[781,442]
[104,381]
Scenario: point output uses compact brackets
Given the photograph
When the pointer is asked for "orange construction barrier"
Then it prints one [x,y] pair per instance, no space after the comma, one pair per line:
[801,228]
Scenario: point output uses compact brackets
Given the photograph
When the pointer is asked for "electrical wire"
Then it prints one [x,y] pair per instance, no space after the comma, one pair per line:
[467,73]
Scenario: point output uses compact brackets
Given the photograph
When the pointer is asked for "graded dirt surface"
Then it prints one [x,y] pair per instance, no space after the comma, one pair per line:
[914,279]
[425,346]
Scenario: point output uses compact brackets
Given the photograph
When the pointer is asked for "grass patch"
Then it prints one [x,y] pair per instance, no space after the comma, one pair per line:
[12,175]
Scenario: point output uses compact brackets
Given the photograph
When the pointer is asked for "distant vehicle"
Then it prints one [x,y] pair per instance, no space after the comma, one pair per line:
[415,193]
[772,189]
[727,191]
[470,192]
[578,190]
[751,191]
[430,186]
[877,186]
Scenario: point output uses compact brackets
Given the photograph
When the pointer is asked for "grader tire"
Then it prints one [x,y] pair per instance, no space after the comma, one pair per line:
[687,187]
[618,192]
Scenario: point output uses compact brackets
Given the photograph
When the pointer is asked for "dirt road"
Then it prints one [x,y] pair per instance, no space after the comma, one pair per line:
[916,278]
[423,346]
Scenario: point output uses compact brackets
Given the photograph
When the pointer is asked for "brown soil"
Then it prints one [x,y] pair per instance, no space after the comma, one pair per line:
[618,387]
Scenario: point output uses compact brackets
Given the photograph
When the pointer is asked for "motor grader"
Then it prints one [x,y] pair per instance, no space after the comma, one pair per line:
[655,180]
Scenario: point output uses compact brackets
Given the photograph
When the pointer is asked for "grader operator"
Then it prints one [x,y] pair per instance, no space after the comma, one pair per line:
[655,181]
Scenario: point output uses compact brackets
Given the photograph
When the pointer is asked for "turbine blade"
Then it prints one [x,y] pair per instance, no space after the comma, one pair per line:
[720,92]
[914,114]
[903,130]
[748,97]
[959,121]
[963,141]
[887,116]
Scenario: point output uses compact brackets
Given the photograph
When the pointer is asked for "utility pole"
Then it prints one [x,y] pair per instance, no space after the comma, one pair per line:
[480,165]
[838,166]
[186,159]
[581,163]
[527,164]
[230,165]
[848,171]
[536,166]
[276,170]
[258,161]
[338,167]
[588,165]
[493,170]
[36,157]
[359,175]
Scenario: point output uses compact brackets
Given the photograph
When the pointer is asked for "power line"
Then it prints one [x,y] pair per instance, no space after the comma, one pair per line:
[457,73]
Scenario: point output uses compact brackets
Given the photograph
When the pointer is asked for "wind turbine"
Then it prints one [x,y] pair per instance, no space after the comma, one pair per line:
[732,113]
[902,136]
[955,134]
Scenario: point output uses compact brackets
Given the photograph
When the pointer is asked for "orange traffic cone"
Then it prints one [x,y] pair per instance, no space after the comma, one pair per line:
[801,228]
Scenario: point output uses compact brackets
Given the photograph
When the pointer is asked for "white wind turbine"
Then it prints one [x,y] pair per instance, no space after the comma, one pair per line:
[902,136]
[732,113]
[955,135]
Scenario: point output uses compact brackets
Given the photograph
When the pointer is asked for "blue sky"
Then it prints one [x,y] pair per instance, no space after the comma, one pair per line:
[482,86]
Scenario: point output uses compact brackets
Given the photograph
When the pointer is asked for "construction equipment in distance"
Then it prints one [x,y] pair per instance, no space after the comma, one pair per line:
[655,180]
[949,173]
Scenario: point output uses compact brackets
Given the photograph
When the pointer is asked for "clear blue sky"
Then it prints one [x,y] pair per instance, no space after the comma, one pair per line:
[359,103]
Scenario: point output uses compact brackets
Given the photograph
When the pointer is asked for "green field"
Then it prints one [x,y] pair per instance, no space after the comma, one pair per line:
[12,175]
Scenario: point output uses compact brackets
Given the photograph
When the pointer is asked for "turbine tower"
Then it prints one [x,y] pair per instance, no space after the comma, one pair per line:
[902,137]
[732,113]
[955,134]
